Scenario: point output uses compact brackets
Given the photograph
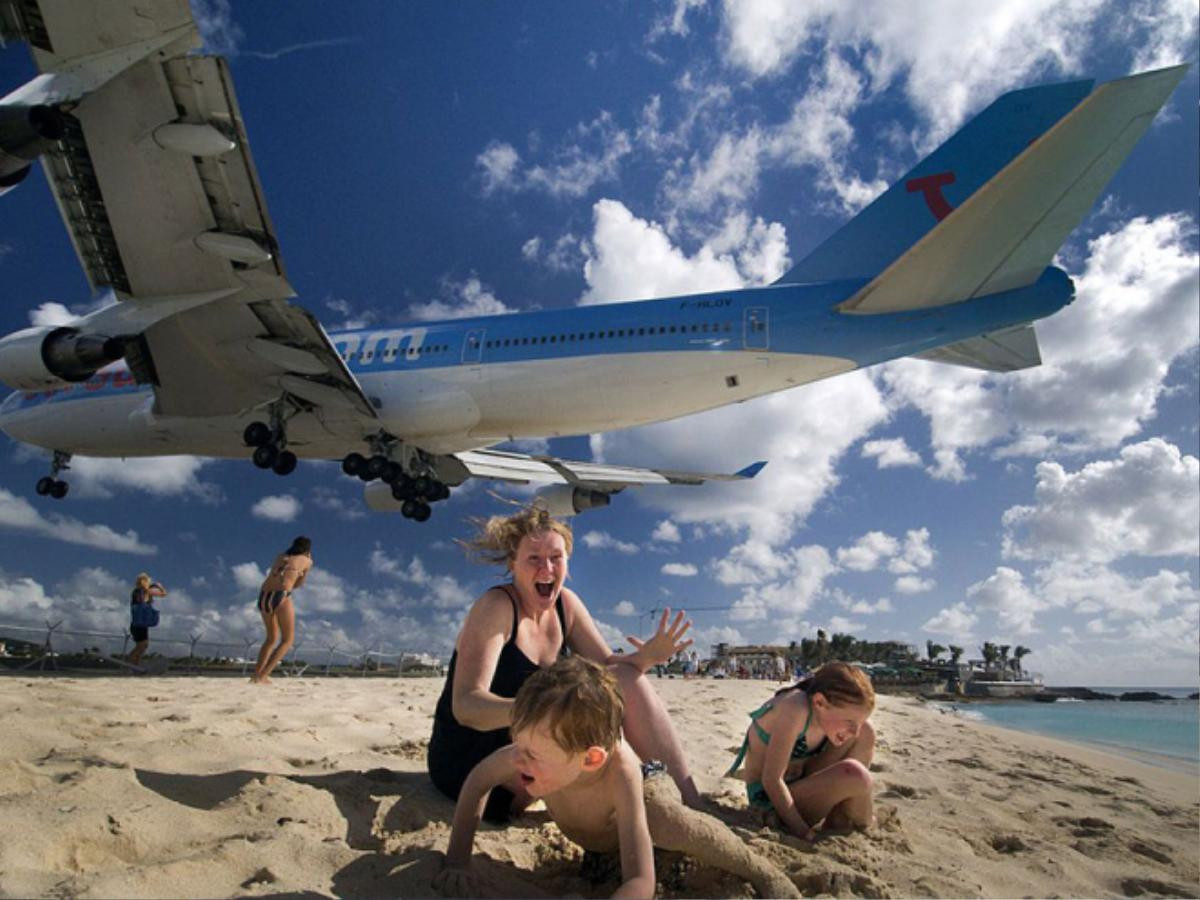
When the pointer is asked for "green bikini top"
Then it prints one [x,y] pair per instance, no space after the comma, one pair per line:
[799,749]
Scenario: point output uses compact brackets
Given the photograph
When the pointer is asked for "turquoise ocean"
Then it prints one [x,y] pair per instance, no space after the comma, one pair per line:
[1164,733]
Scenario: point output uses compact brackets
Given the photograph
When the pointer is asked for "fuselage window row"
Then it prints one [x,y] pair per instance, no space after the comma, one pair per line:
[367,356]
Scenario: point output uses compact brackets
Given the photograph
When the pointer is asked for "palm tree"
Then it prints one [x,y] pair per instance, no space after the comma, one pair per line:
[1019,653]
[1003,653]
[989,652]
[955,654]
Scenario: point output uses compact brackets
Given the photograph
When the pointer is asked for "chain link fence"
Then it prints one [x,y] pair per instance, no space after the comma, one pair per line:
[32,649]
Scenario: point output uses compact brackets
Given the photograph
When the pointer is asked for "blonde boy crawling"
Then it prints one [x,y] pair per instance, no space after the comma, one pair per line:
[568,751]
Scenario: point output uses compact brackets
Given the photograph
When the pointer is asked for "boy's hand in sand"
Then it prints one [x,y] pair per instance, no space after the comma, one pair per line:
[457,881]
[666,642]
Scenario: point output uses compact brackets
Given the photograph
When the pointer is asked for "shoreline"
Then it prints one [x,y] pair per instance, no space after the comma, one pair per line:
[1182,765]
[204,787]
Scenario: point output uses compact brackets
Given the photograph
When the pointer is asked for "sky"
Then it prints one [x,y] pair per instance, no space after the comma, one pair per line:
[432,160]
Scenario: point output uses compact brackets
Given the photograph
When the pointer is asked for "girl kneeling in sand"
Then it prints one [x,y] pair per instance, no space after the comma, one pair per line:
[808,752]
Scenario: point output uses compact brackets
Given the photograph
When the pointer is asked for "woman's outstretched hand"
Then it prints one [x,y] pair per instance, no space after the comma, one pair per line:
[666,642]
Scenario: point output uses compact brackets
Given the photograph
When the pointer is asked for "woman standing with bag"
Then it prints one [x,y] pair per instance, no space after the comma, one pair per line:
[142,614]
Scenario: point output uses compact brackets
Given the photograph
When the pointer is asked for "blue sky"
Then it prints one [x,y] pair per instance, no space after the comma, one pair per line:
[422,161]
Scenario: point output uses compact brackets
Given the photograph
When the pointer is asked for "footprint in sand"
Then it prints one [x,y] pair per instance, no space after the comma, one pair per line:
[1008,843]
[901,790]
[1143,848]
[1141,887]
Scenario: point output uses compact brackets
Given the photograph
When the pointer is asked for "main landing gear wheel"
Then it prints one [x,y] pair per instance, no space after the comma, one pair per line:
[415,510]
[353,463]
[257,434]
[265,456]
[285,463]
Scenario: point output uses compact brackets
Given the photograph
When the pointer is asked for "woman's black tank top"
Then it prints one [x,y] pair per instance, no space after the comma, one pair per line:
[467,746]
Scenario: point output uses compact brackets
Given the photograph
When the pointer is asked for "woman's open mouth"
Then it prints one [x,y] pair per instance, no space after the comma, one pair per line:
[544,588]
[526,779]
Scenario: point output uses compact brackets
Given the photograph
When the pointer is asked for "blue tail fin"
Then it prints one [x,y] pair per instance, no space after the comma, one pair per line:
[911,207]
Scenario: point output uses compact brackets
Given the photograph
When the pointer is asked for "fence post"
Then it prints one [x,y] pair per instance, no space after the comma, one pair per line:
[47,650]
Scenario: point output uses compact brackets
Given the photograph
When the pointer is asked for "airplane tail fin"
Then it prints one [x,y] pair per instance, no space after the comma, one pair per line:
[987,210]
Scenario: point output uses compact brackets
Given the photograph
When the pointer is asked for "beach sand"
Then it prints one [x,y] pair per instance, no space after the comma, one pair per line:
[212,787]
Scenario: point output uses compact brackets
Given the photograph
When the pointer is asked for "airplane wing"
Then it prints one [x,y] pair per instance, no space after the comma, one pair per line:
[524,469]
[156,185]
[568,487]
[1006,233]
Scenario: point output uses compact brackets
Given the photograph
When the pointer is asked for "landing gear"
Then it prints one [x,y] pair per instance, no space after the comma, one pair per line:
[50,485]
[409,471]
[270,441]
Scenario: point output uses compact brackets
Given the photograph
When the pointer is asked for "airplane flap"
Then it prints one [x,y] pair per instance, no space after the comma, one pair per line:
[524,469]
[1000,351]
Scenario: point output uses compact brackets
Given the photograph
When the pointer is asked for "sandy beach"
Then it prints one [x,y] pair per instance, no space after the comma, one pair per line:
[211,787]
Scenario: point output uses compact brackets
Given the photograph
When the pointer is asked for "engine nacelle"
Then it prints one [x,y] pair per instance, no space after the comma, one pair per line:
[26,132]
[43,358]
[569,500]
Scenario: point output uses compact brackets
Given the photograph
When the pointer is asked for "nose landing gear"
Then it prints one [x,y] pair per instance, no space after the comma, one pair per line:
[50,485]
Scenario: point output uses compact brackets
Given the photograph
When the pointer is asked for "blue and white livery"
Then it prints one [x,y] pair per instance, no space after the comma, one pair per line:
[205,352]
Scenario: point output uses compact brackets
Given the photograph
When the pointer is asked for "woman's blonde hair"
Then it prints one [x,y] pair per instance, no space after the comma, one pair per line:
[142,580]
[497,538]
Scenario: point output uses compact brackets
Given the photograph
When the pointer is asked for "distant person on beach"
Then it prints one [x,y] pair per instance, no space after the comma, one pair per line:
[287,573]
[567,750]
[141,613]
[515,629]
[808,752]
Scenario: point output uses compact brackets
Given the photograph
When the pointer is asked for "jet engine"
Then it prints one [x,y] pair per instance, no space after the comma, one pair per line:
[569,500]
[43,358]
[26,132]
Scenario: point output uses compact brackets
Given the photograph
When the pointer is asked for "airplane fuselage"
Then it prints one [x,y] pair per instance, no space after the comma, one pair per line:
[467,383]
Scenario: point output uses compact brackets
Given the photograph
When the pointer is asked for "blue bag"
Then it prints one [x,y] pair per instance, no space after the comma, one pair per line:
[144,615]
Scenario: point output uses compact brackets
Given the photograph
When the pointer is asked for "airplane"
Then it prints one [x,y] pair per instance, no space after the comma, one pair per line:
[204,351]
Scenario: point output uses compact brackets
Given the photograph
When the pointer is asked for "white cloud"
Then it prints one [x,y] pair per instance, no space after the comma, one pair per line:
[499,162]
[666,532]
[779,582]
[602,540]
[1145,502]
[1105,357]
[947,63]
[19,514]
[682,570]
[890,453]
[1089,588]
[465,299]
[868,551]
[160,476]
[592,154]
[631,259]
[1004,592]
[625,608]
[248,576]
[955,621]
[281,508]
[445,591]
[801,433]
[916,555]
[913,584]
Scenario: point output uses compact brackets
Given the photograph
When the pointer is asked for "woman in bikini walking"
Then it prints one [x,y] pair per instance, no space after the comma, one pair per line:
[275,606]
